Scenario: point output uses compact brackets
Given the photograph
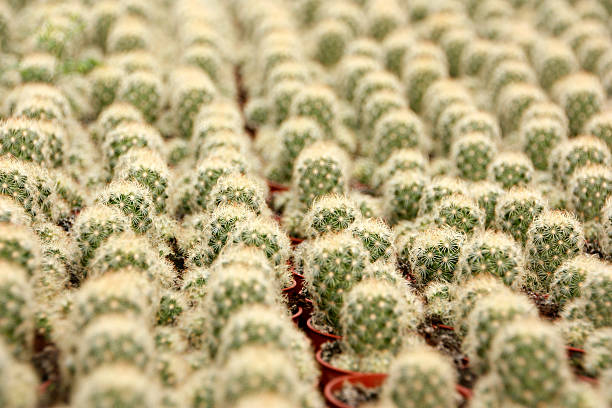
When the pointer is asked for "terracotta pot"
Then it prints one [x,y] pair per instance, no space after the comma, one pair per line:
[296,241]
[296,317]
[574,351]
[367,380]
[306,314]
[317,338]
[292,290]
[329,372]
[276,187]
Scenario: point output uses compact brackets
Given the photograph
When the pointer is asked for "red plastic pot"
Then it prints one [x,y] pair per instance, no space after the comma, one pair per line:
[306,315]
[367,380]
[276,187]
[317,338]
[296,317]
[329,372]
[299,280]
[296,241]
[291,291]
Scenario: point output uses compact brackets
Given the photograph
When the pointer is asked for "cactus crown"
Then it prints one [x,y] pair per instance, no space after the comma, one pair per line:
[460,212]
[329,214]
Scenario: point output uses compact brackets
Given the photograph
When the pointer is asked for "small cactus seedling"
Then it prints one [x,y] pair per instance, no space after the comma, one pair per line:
[492,252]
[472,154]
[597,294]
[16,303]
[569,278]
[330,214]
[539,137]
[116,385]
[377,238]
[238,189]
[125,137]
[468,294]
[330,41]
[418,76]
[133,200]
[486,195]
[20,246]
[600,126]
[439,188]
[590,187]
[438,299]
[553,60]
[529,359]
[553,237]
[379,104]
[398,129]
[516,210]
[577,153]
[319,103]
[105,82]
[511,169]
[264,234]
[581,95]
[109,119]
[191,89]
[435,253]
[476,122]
[421,377]
[514,100]
[399,160]
[488,317]
[333,264]
[144,91]
[460,212]
[23,139]
[598,351]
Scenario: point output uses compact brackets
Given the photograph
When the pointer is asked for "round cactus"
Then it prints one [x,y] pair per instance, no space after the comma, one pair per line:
[105,83]
[206,58]
[418,76]
[398,129]
[568,279]
[333,264]
[539,137]
[448,119]
[330,39]
[466,295]
[13,213]
[144,91]
[600,126]
[264,234]
[439,306]
[116,385]
[113,116]
[488,318]
[238,189]
[516,210]
[529,357]
[553,237]
[20,246]
[377,238]
[553,60]
[400,160]
[133,200]
[190,90]
[596,294]
[598,356]
[511,169]
[16,303]
[514,101]
[486,195]
[403,194]
[460,212]
[23,138]
[281,96]
[509,72]
[472,154]
[18,382]
[370,82]
[492,252]
[590,187]
[582,96]
[319,103]
[128,34]
[378,105]
[435,253]
[576,153]
[421,377]
[330,214]
[438,189]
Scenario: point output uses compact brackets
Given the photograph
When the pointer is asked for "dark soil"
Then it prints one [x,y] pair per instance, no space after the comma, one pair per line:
[548,309]
[329,350]
[356,394]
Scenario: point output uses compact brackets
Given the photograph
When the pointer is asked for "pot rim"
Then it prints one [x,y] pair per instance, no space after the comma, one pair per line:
[310,327]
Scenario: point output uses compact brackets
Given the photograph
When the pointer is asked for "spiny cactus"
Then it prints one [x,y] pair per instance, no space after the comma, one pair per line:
[514,101]
[319,103]
[144,91]
[488,317]
[596,293]
[569,278]
[400,159]
[598,354]
[16,303]
[13,213]
[539,137]
[114,340]
[553,237]
[486,195]
[516,210]
[449,116]
[320,169]
[511,169]
[509,72]
[18,382]
[590,187]
[105,83]
[377,238]
[492,252]
[421,377]
[384,18]
[128,34]
[116,385]
[363,46]
[438,299]
[466,295]
[207,58]
[133,200]
[352,69]
[20,246]
[238,189]
[582,96]
[576,153]
[472,153]
[378,105]
[439,188]
[266,235]
[114,115]
[529,358]
[398,129]
[281,96]
[403,194]
[553,60]
[460,212]
[370,82]
[330,38]
[330,214]
[434,254]
[23,139]
[125,137]
[333,264]
[191,89]
[262,325]
[418,75]
[600,126]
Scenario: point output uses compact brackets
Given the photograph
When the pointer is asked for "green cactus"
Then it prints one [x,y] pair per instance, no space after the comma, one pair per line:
[320,169]
[38,67]
[330,214]
[351,71]
[421,377]
[539,137]
[600,126]
[516,210]
[437,189]
[435,253]
[553,60]
[472,153]
[438,298]
[453,42]
[206,58]
[146,167]
[16,304]
[190,91]
[475,56]
[105,83]
[261,325]
[598,356]
[529,359]
[399,160]
[398,129]
[574,332]
[370,82]
[511,169]
[492,252]
[281,97]
[383,18]
[128,34]
[20,246]
[133,200]
[378,105]
[460,212]
[114,115]
[597,294]
[491,315]
[377,238]
[514,101]
[418,76]
[18,382]
[589,189]
[553,237]
[486,195]
[403,194]
[128,136]
[509,72]
[238,189]
[257,112]
[116,385]
[569,278]
[13,213]
[466,296]
[23,139]
[576,153]
[333,264]
[330,38]
[581,95]
[144,91]
[395,46]
[319,103]
[370,206]
[447,120]
[364,47]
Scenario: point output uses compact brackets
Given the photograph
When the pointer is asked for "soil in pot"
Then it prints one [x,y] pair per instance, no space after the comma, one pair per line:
[353,390]
[355,394]
[317,336]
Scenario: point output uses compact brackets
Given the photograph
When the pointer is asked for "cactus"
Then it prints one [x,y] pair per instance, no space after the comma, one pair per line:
[466,296]
[590,187]
[508,72]
[576,153]
[439,188]
[126,137]
[596,294]
[38,67]
[18,382]
[574,332]
[398,129]
[105,83]
[491,315]
[377,238]
[395,47]
[370,82]
[330,214]
[23,139]
[320,169]
[333,264]
[128,34]
[281,96]
[147,168]
[190,91]
[447,120]
[486,195]
[16,303]
[369,206]
[472,153]
[114,115]
[330,38]
[403,194]
[198,391]
[383,18]
[492,252]
[399,160]
[319,103]
[418,76]
[600,126]
[257,112]
[516,210]
[511,169]
[569,278]
[114,340]
[144,91]
[434,255]
[116,385]
[352,69]
[20,246]
[582,96]
[421,377]
[460,212]
[12,213]
[378,105]
[133,200]
[264,234]
[40,108]
[439,302]
[553,237]
[553,60]
[539,136]
[514,101]
[363,46]
[261,325]
[598,357]
[238,189]
[453,42]
[206,58]
[528,357]
[295,134]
